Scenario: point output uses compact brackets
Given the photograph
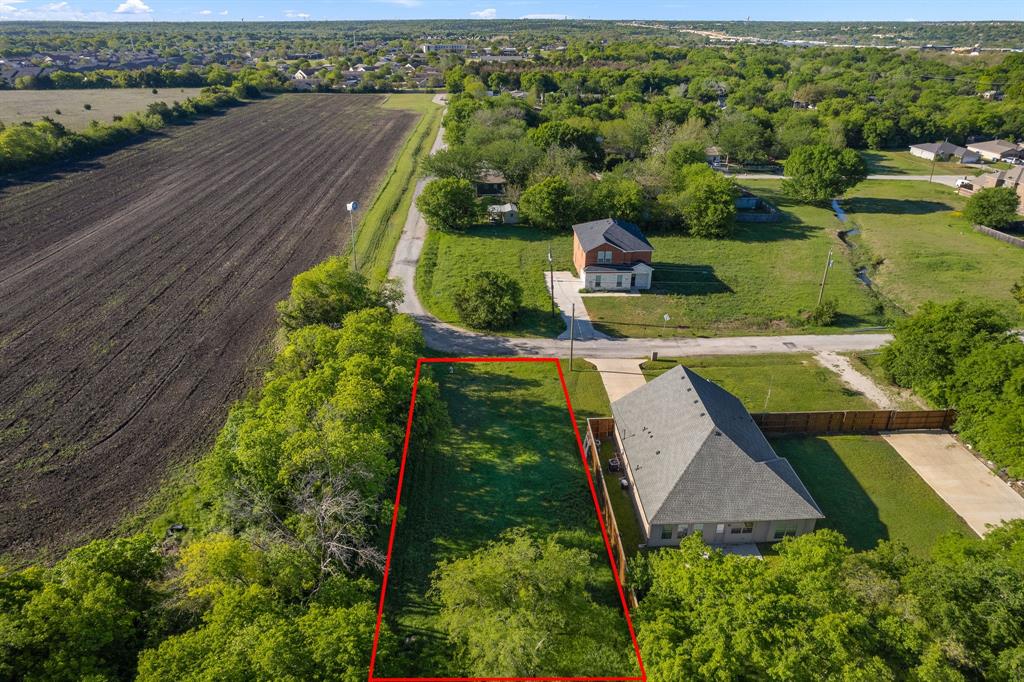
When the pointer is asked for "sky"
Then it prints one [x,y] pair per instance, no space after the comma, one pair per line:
[305,10]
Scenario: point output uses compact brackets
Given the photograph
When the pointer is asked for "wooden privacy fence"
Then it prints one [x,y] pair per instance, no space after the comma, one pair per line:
[603,429]
[853,421]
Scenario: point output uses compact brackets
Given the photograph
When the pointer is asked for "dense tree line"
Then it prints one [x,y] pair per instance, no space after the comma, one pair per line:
[28,145]
[760,102]
[274,570]
[819,611]
[966,356]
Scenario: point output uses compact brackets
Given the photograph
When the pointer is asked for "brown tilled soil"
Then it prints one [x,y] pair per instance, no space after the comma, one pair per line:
[137,296]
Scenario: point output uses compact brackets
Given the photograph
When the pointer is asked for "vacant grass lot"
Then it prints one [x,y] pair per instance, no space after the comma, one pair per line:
[922,249]
[757,281]
[771,383]
[510,460]
[868,493]
[31,105]
[521,252]
[902,162]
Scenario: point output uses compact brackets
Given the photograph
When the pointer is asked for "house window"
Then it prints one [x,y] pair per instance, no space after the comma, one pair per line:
[604,256]
[618,281]
[744,528]
[667,531]
[720,528]
[783,529]
[597,281]
[683,530]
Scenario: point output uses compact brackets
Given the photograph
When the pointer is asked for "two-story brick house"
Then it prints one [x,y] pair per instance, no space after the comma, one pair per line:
[611,254]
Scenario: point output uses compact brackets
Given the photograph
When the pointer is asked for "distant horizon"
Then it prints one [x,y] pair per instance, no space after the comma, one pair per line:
[234,11]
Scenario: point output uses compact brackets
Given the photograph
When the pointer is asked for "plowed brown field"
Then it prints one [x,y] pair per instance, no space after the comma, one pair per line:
[137,297]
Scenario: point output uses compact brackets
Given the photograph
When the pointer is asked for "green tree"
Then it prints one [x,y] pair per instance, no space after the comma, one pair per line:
[550,203]
[327,292]
[563,134]
[449,204]
[820,173]
[459,161]
[615,197]
[523,607]
[994,207]
[488,300]
[706,203]
[743,138]
[927,345]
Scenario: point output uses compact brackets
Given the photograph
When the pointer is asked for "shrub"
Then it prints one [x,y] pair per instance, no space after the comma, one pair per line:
[488,300]
[87,106]
[994,207]
[825,313]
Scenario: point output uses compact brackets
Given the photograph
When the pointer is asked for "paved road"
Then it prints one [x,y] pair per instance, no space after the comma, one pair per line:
[949,180]
[448,338]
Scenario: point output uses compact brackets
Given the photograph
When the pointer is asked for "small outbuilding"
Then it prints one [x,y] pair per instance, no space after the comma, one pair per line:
[507,214]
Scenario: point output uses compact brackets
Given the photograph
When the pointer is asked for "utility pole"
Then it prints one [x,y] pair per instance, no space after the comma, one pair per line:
[824,276]
[572,333]
[551,270]
[352,206]
[934,157]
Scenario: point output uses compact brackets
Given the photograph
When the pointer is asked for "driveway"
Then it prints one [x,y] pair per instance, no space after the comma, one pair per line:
[568,300]
[958,477]
[619,376]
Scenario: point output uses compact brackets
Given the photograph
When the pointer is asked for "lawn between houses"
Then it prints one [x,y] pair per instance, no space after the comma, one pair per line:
[902,162]
[510,460]
[919,248]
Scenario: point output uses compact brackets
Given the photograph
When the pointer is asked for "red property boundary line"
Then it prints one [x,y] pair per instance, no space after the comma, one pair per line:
[597,509]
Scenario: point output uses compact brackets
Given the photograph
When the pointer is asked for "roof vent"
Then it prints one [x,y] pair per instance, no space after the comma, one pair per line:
[657,452]
[702,414]
[718,433]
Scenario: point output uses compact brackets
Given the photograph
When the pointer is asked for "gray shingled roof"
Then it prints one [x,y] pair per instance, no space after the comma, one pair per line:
[619,233]
[697,456]
[945,148]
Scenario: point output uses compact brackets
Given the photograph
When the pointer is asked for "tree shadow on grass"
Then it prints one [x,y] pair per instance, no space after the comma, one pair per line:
[895,206]
[682,279]
[847,507]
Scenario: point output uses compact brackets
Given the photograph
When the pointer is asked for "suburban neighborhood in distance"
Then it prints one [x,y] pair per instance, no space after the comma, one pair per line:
[429,341]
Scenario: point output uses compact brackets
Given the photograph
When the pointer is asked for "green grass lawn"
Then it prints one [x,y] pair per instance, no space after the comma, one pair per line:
[521,252]
[920,248]
[510,460]
[756,282]
[869,363]
[902,162]
[771,383]
[868,493]
[380,226]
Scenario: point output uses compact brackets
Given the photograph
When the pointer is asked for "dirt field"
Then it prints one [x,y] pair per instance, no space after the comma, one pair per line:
[31,105]
[137,296]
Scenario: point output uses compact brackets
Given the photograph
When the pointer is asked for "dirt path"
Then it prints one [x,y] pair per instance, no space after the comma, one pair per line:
[137,295]
[840,364]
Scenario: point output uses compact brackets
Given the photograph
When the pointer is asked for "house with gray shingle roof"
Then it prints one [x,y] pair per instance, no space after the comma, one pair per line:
[695,461]
[944,151]
[612,254]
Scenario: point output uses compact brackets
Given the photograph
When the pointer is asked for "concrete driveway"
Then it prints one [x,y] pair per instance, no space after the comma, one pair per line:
[619,376]
[980,497]
[568,300]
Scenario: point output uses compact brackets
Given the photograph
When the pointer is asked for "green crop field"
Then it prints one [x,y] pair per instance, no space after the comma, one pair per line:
[868,493]
[31,105]
[771,383]
[510,460]
[920,248]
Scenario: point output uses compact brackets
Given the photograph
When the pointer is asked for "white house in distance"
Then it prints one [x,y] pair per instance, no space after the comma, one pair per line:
[696,461]
[612,255]
[996,150]
[944,151]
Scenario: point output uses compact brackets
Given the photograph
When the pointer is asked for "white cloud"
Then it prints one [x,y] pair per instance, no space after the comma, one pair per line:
[291,14]
[403,3]
[484,14]
[205,12]
[55,7]
[133,7]
[545,16]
